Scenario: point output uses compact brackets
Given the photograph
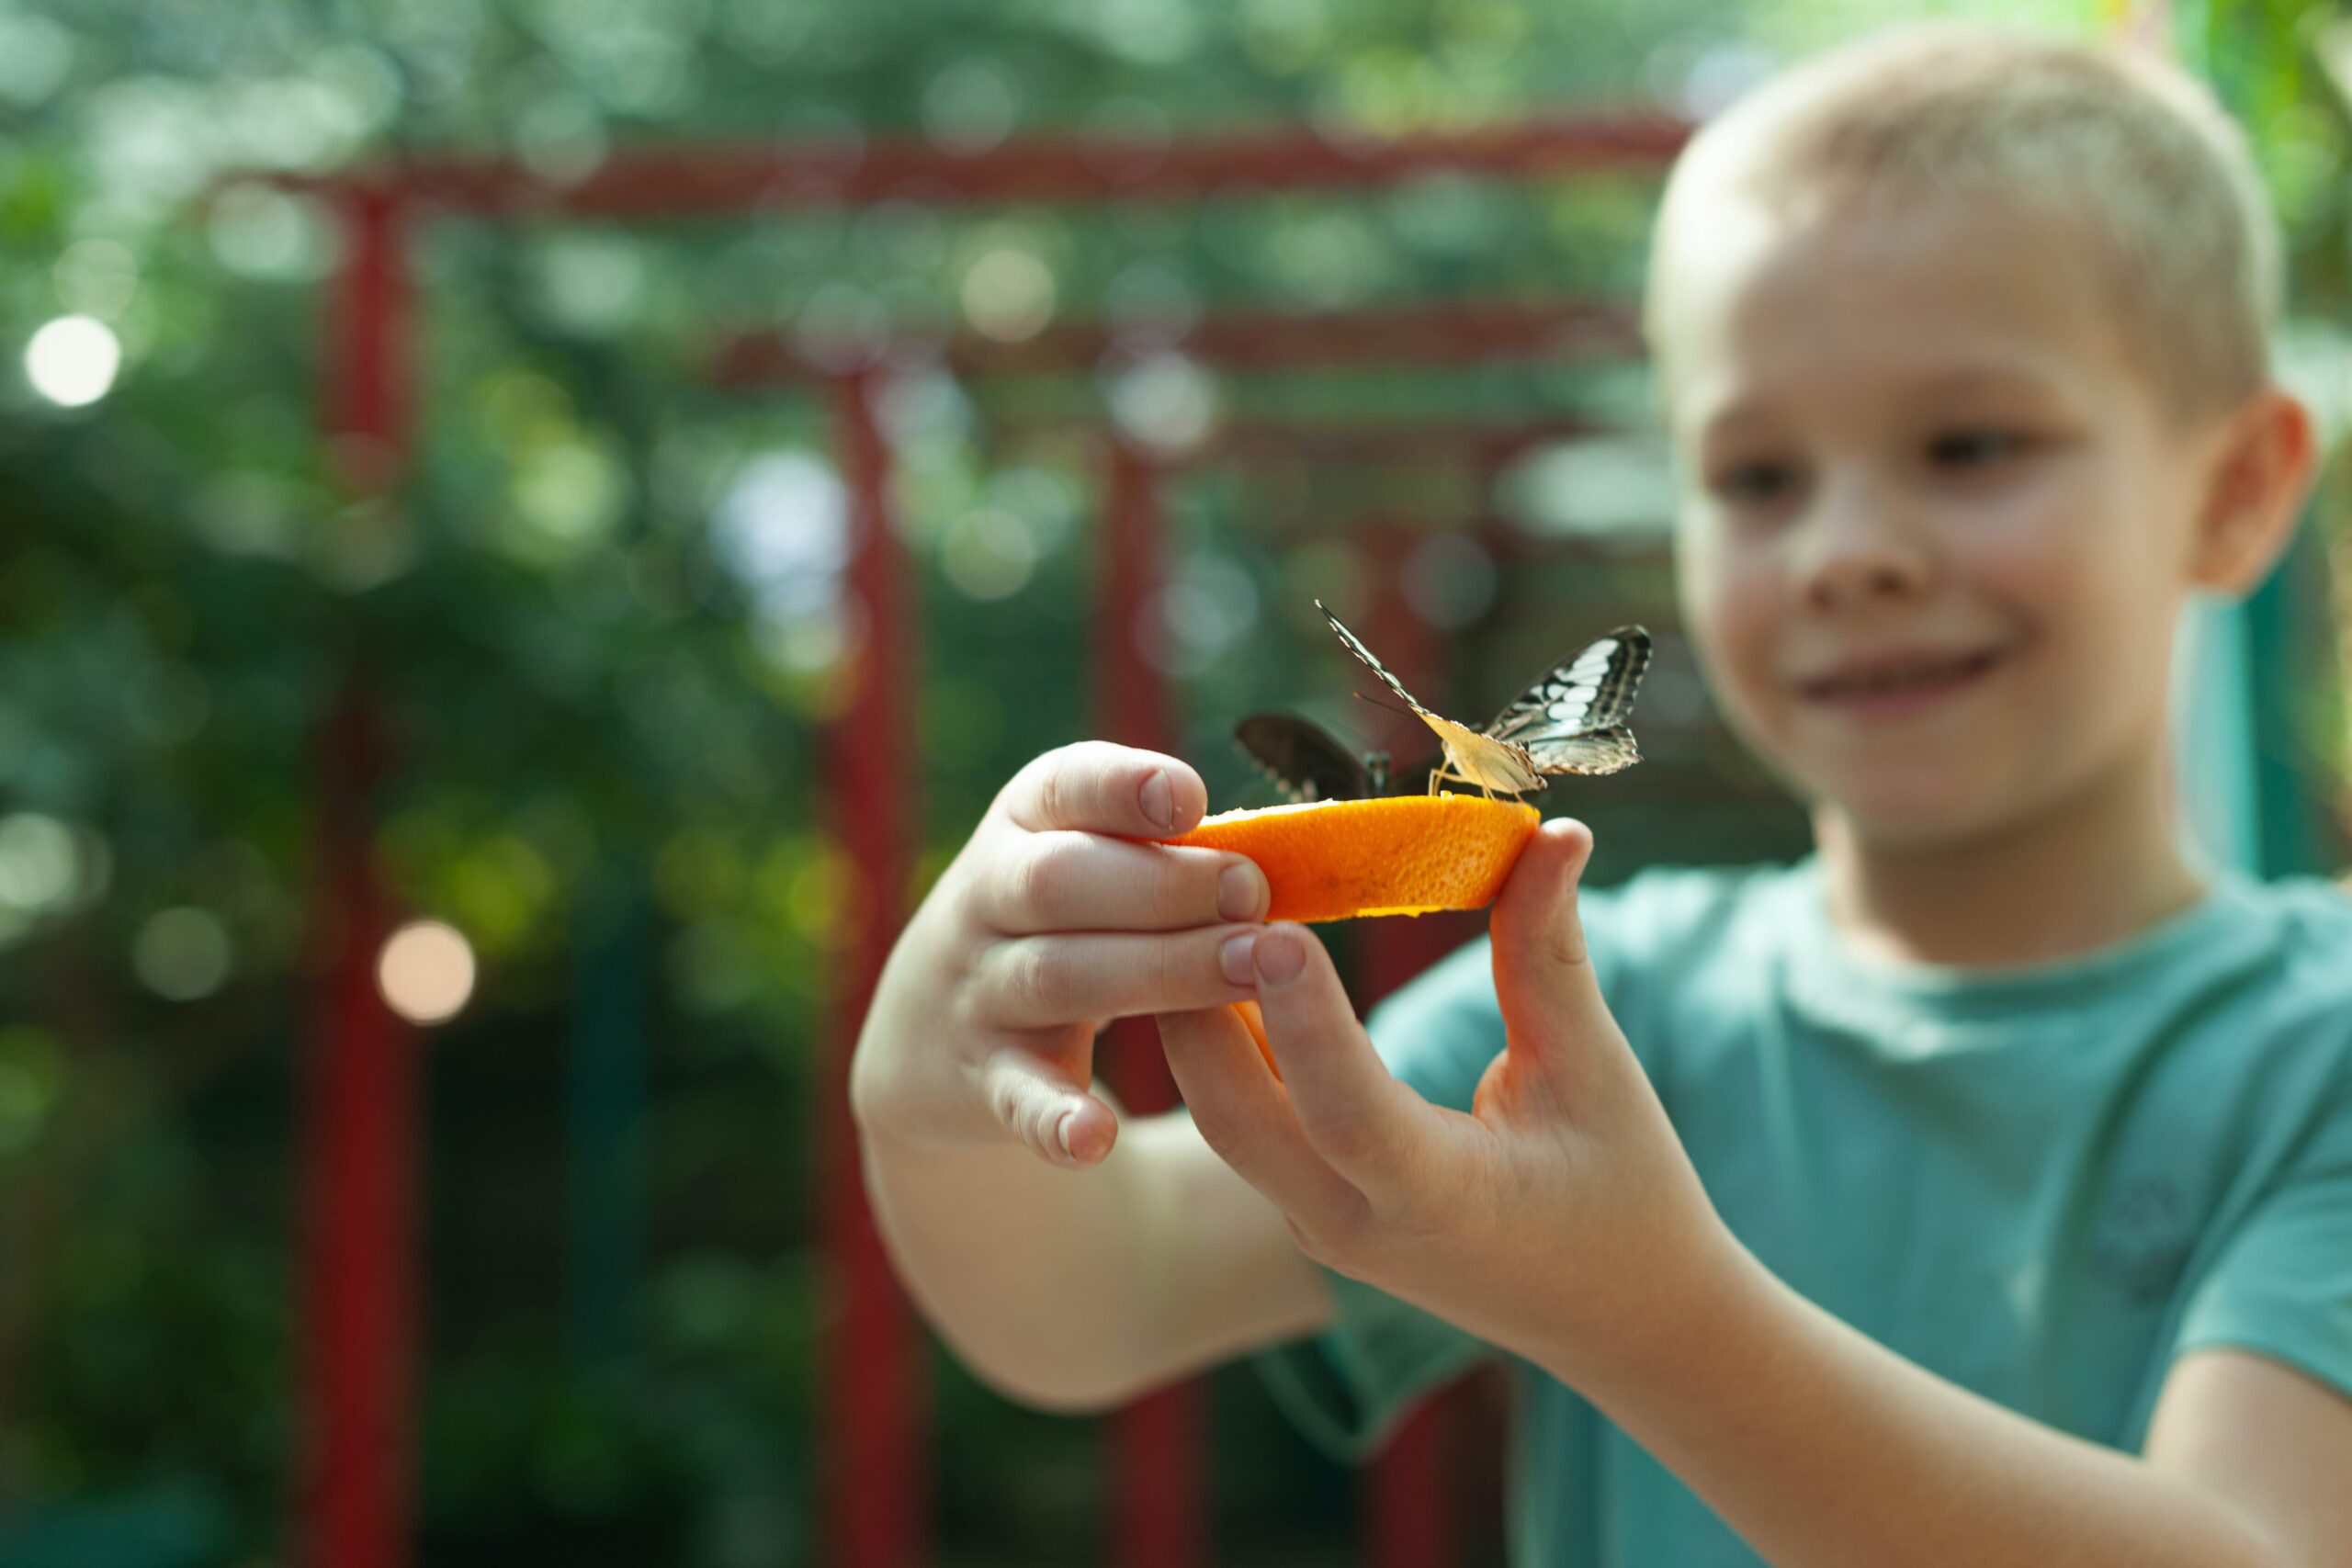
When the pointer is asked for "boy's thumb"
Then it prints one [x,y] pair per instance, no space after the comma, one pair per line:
[1543,975]
[1039,1102]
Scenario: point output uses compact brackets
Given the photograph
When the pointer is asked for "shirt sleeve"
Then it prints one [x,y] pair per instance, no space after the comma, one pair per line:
[1345,1388]
[2282,1286]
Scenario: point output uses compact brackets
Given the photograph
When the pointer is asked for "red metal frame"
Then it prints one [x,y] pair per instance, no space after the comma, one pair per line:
[1160,1511]
[356,1331]
[747,177]
[1413,1502]
[874,1468]
[1411,1509]
[356,1392]
[1467,331]
[359,1094]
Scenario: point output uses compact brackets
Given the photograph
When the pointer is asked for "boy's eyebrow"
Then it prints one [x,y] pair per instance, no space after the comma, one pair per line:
[2005,375]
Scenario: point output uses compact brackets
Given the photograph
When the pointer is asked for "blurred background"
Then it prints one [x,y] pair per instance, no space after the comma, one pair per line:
[530,529]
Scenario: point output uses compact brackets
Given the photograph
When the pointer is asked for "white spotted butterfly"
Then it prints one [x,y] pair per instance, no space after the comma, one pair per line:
[1572,720]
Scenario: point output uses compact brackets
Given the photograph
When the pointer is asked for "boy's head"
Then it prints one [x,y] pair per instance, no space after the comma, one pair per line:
[1963,342]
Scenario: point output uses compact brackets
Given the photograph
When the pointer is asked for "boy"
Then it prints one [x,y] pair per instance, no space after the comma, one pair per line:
[1977,1191]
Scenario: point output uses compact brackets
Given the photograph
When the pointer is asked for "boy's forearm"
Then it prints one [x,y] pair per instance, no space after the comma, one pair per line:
[1824,1448]
[1024,1269]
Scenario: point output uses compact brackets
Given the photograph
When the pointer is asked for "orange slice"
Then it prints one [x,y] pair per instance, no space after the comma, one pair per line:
[1340,860]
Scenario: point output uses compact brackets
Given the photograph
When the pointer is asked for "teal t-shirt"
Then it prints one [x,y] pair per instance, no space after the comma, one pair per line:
[2043,1184]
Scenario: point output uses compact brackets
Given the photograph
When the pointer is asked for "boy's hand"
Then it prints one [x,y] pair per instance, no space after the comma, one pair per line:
[1560,1219]
[1052,921]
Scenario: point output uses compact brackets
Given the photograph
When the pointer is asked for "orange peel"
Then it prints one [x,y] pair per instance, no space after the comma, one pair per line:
[1407,854]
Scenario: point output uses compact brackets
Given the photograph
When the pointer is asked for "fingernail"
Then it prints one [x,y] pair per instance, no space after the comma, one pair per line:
[1239,890]
[1061,1131]
[1160,802]
[1281,956]
[1234,957]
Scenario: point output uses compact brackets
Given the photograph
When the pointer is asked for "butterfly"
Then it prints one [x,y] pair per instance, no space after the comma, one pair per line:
[1310,762]
[1570,721]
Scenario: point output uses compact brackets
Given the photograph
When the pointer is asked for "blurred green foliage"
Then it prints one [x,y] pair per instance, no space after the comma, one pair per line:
[596,681]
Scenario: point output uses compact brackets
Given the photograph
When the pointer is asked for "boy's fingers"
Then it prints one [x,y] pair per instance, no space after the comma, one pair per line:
[1038,1103]
[1041,982]
[1544,974]
[1064,881]
[1097,787]
[1354,1112]
[1245,1116]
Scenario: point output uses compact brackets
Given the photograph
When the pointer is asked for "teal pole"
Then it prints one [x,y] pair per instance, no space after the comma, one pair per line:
[606,1116]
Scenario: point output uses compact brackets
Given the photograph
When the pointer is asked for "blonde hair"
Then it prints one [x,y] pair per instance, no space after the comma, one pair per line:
[2125,144]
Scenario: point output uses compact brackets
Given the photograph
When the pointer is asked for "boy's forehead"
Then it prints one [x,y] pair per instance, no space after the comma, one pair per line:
[1888,295]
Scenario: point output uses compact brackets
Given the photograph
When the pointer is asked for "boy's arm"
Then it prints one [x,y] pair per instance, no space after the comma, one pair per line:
[1070,1261]
[1822,1446]
[2274,1440]
[1077,1290]
[1819,1446]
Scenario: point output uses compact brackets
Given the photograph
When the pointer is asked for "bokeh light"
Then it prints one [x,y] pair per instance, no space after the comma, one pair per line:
[181,955]
[1208,606]
[1601,487]
[268,235]
[72,361]
[782,530]
[1009,294]
[1448,580]
[988,553]
[36,54]
[96,277]
[842,326]
[38,868]
[425,972]
[970,107]
[1166,402]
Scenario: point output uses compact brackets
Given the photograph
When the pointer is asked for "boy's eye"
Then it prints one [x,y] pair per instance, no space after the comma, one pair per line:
[1974,448]
[1755,484]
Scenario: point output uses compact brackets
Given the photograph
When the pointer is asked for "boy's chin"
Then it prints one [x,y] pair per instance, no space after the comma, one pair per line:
[1906,821]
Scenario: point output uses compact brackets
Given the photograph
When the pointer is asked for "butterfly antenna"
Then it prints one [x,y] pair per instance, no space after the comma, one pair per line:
[1392,708]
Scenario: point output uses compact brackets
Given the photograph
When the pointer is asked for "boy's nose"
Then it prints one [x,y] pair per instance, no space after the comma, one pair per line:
[1853,545]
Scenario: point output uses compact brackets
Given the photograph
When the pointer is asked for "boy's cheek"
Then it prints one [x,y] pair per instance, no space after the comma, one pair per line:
[1733,624]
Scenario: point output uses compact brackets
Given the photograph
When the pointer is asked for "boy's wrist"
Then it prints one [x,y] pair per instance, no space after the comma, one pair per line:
[1684,1337]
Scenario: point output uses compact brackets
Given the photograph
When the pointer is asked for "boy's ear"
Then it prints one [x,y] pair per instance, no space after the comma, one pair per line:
[2260,480]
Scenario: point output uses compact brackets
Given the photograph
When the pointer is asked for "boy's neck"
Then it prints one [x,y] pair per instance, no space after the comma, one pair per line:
[2099,867]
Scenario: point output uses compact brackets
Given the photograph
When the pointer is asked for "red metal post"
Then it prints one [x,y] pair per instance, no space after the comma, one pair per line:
[360,1256]
[1160,1514]
[369,327]
[873,1462]
[357,1304]
[1409,1514]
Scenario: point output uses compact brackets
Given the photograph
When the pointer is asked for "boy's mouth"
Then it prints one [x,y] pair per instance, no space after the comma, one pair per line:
[1898,681]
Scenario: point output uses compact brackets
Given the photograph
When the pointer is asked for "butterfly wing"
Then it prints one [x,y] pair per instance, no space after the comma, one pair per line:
[1591,689]
[1572,720]
[1302,758]
[1603,750]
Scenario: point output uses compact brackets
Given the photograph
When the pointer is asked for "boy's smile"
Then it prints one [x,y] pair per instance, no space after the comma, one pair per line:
[1938,523]
[1895,683]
